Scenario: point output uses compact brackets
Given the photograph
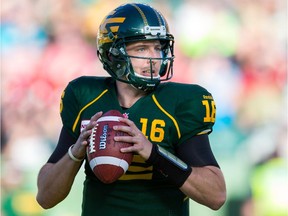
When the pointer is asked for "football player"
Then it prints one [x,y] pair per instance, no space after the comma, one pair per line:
[169,124]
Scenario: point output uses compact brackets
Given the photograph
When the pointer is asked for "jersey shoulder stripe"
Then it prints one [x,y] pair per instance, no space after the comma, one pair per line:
[78,96]
[169,115]
[87,105]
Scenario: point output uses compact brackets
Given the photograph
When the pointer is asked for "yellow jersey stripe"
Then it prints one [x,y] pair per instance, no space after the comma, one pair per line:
[136,177]
[137,158]
[87,105]
[139,169]
[166,113]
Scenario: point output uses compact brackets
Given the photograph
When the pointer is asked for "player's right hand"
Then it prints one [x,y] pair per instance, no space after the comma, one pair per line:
[79,148]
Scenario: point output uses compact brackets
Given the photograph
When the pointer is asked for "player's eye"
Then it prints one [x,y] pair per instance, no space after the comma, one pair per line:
[141,49]
[158,48]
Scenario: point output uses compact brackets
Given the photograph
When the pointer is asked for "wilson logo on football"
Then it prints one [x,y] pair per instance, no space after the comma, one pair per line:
[103,137]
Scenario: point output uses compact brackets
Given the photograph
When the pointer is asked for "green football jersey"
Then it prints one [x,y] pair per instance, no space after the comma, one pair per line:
[167,116]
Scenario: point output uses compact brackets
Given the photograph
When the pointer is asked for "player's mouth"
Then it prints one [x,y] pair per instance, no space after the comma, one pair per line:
[148,72]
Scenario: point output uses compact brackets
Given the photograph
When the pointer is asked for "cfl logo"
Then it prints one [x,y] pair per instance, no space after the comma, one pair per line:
[112,24]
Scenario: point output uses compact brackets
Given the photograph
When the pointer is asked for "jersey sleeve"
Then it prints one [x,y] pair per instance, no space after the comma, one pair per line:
[69,110]
[196,112]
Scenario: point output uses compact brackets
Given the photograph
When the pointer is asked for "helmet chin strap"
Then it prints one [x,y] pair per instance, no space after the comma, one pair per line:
[141,87]
[127,77]
[145,77]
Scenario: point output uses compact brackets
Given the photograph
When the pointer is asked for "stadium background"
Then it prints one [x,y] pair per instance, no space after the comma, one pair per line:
[234,48]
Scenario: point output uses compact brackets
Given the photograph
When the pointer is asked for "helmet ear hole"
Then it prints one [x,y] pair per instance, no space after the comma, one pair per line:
[110,57]
[121,71]
[114,51]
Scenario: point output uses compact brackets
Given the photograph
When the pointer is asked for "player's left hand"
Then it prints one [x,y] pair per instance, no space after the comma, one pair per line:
[141,144]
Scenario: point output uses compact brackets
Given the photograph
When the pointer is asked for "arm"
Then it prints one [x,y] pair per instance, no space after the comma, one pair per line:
[56,179]
[205,184]
[199,177]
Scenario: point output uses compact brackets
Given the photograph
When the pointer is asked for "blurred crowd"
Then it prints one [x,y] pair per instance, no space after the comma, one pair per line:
[234,48]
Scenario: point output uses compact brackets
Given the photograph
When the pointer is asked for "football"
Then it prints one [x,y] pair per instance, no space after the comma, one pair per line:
[103,153]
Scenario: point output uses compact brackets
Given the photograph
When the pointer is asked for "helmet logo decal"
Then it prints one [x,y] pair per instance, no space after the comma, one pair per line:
[111,23]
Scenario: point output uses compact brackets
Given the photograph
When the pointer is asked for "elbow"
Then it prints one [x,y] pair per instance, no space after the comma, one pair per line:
[218,203]
[42,201]
[47,201]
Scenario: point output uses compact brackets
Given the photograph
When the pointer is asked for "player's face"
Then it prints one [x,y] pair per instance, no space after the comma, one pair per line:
[148,50]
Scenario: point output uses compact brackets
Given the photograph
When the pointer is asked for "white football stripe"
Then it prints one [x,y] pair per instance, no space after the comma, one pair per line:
[108,118]
[109,160]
